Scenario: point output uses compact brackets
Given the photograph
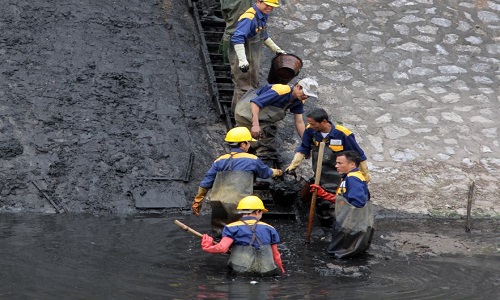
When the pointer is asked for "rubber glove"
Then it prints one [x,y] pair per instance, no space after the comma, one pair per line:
[277,173]
[297,159]
[322,193]
[196,207]
[273,47]
[277,258]
[363,168]
[242,57]
[207,244]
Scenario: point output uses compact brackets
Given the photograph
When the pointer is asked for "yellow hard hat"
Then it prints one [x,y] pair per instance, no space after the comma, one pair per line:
[239,134]
[251,203]
[273,3]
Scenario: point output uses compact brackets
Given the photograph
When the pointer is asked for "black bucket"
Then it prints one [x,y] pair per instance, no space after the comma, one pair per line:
[284,67]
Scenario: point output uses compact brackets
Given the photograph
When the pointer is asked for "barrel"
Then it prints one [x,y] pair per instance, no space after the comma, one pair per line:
[284,67]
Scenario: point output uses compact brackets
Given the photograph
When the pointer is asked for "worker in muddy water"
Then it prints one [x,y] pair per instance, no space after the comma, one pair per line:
[337,138]
[231,11]
[260,109]
[245,48]
[231,178]
[354,222]
[254,244]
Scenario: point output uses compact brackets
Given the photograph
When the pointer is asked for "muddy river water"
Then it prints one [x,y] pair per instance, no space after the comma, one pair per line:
[88,257]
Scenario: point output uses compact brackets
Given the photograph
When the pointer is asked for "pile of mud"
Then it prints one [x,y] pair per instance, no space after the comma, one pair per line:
[95,97]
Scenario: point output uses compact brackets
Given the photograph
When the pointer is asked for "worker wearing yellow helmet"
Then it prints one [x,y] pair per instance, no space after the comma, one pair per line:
[230,178]
[244,51]
[254,244]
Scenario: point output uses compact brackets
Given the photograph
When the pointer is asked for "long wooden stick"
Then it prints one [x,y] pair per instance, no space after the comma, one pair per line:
[319,165]
[188,229]
[469,207]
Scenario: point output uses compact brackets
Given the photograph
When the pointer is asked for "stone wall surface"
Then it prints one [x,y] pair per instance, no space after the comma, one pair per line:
[418,84]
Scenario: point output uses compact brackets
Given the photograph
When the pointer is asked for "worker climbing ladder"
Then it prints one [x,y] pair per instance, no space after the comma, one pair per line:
[211,26]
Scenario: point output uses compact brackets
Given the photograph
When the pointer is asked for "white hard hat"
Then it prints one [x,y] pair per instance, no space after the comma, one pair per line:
[309,86]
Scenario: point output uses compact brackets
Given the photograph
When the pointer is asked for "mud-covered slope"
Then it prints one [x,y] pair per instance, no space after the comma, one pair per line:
[95,95]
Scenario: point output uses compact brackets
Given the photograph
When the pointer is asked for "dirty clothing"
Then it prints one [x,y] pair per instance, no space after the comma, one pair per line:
[251,251]
[338,139]
[241,162]
[230,179]
[354,189]
[354,220]
[231,11]
[273,100]
[251,30]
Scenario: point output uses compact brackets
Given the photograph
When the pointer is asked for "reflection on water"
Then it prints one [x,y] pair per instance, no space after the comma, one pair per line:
[86,257]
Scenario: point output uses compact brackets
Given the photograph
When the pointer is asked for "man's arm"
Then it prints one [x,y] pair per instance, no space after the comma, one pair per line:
[352,144]
[300,126]
[305,146]
[207,244]
[277,258]
[255,120]
[357,191]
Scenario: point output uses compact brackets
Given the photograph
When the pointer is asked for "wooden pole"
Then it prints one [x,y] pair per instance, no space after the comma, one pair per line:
[319,165]
[469,207]
[188,229]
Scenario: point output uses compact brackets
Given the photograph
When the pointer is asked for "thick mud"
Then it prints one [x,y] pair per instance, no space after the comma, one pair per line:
[96,99]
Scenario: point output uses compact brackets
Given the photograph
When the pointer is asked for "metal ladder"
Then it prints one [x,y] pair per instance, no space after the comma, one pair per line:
[220,87]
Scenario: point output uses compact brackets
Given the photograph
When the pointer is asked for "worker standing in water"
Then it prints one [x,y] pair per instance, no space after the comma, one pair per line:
[231,178]
[253,243]
[337,139]
[245,48]
[354,221]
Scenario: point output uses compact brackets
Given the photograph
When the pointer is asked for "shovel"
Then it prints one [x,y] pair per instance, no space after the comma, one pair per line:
[188,229]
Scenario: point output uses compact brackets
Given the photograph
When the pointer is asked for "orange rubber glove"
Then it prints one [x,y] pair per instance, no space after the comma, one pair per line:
[207,244]
[196,207]
[277,258]
[322,193]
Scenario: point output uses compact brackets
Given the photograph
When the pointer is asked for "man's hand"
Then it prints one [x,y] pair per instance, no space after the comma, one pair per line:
[277,173]
[297,159]
[206,241]
[322,193]
[269,43]
[363,168]
[244,65]
[255,131]
[196,207]
[242,57]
